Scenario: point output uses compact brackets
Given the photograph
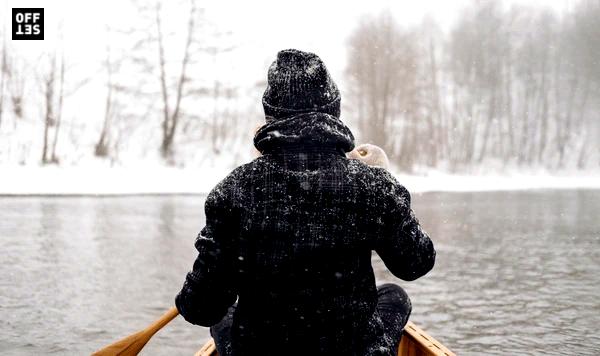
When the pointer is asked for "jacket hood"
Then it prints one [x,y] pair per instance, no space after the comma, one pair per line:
[309,131]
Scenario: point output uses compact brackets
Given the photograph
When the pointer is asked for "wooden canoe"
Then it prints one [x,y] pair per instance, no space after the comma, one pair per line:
[415,342]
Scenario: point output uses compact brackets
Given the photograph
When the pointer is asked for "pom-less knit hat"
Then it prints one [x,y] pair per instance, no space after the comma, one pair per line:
[298,82]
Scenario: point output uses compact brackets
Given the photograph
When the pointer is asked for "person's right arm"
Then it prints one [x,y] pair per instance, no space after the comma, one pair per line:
[406,250]
[209,288]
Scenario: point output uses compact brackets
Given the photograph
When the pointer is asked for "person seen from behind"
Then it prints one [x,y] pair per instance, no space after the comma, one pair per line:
[284,261]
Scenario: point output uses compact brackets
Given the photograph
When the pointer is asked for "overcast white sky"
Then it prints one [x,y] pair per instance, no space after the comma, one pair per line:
[262,26]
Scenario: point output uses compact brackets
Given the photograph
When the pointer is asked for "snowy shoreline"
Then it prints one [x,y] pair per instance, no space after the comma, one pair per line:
[64,181]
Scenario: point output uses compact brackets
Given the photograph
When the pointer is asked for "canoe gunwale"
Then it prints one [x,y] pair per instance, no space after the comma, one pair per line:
[415,341]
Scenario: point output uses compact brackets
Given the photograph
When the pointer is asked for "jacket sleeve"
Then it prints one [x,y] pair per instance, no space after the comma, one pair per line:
[404,247]
[209,288]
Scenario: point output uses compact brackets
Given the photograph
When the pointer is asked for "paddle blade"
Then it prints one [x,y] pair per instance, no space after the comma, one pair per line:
[134,343]
[129,346]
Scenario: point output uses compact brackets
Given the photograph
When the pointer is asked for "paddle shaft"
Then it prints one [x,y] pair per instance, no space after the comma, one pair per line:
[162,321]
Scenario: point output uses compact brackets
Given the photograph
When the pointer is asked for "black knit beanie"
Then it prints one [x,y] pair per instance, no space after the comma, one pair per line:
[298,82]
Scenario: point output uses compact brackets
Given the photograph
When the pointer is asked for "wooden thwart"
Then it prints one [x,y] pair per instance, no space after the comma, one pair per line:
[415,342]
[208,349]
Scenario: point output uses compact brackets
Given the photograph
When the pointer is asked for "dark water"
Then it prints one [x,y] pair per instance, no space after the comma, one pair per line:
[517,272]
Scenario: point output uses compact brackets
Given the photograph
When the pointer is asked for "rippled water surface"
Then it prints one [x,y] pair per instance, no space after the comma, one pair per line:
[517,272]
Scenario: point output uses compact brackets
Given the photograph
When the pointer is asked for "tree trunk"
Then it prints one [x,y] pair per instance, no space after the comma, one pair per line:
[171,120]
[434,138]
[102,146]
[3,74]
[58,114]
[49,115]
[166,122]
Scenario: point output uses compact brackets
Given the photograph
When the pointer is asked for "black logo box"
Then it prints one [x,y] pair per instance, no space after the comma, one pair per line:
[27,23]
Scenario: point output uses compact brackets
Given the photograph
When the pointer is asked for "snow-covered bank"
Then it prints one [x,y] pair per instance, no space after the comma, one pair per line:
[98,180]
[464,183]
[108,181]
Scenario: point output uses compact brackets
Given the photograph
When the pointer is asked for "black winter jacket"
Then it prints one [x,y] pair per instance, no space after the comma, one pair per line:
[290,236]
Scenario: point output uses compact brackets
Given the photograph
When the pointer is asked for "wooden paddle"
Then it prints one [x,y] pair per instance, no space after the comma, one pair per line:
[133,344]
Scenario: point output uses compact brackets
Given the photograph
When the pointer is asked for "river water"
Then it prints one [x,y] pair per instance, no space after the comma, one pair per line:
[516,273]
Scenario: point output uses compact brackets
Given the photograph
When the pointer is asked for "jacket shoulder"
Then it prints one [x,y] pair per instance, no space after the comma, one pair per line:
[229,189]
[377,176]
[382,183]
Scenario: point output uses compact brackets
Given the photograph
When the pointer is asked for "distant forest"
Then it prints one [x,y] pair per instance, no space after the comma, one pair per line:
[506,87]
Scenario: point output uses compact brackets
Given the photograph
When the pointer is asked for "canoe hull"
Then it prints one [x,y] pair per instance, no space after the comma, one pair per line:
[415,342]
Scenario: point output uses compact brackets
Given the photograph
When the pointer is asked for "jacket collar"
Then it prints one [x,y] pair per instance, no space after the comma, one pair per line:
[308,132]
